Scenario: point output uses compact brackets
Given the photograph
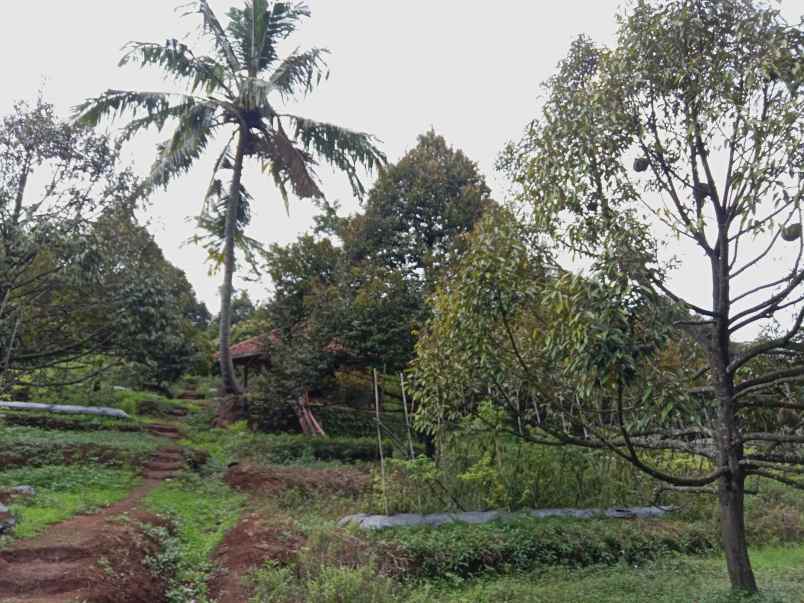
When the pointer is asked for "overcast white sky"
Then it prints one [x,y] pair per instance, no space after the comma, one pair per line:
[469,69]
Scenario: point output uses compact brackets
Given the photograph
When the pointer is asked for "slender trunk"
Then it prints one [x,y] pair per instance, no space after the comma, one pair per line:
[731,486]
[732,530]
[230,384]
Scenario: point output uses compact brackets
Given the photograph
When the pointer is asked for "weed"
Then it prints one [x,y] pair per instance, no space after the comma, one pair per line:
[64,491]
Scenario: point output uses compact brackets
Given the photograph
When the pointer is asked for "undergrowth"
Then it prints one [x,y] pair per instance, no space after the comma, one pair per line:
[201,511]
[32,446]
[63,491]
[463,551]
[675,579]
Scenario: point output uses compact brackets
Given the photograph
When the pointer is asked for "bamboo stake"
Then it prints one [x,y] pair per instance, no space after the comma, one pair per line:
[407,418]
[379,440]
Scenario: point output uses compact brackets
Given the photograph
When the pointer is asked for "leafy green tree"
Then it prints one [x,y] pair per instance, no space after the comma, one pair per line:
[237,92]
[396,251]
[417,210]
[153,322]
[690,128]
[57,182]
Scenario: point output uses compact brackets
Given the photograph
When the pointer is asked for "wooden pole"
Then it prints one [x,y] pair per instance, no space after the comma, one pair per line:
[379,440]
[407,418]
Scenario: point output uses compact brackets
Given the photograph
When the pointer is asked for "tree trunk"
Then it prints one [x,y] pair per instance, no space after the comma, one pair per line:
[732,530]
[731,488]
[230,384]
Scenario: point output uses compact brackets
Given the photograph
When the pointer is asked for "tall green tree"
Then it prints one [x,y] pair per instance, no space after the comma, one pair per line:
[417,211]
[237,93]
[690,128]
[58,182]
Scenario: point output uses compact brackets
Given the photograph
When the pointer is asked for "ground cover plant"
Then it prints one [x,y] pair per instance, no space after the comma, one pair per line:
[135,402]
[200,510]
[667,580]
[33,446]
[63,491]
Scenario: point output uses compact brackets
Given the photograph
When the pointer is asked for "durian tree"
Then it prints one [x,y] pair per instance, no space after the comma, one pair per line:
[690,129]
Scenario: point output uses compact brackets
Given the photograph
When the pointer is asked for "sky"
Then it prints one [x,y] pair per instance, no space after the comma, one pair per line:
[471,70]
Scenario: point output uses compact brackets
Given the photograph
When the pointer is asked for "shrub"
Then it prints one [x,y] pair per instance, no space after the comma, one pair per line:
[472,550]
[332,567]
[288,448]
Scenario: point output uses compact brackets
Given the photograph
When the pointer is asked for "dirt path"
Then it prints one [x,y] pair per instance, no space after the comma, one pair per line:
[256,538]
[92,557]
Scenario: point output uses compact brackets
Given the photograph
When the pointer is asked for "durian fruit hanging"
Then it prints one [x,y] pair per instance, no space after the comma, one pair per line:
[641,164]
[792,232]
[701,191]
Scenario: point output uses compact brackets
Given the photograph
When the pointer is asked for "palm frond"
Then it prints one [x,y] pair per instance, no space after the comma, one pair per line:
[258,27]
[212,25]
[288,164]
[114,103]
[159,118]
[212,222]
[177,60]
[345,149]
[299,73]
[224,161]
[188,142]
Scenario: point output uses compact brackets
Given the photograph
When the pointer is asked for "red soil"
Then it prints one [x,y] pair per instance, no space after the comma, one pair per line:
[246,547]
[98,558]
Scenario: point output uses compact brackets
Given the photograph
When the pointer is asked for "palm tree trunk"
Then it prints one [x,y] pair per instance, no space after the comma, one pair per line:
[230,384]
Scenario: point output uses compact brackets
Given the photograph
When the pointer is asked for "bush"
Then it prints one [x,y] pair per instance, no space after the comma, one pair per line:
[775,515]
[274,584]
[332,567]
[288,448]
[46,420]
[471,550]
[482,465]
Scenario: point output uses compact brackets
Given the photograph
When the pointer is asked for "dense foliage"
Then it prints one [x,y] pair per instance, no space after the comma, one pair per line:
[691,127]
[82,284]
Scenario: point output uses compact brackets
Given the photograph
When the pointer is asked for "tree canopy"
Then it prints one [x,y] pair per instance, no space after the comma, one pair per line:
[81,283]
[689,128]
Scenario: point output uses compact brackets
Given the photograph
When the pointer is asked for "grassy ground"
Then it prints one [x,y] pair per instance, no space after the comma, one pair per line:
[201,510]
[33,446]
[304,498]
[84,464]
[780,572]
[63,491]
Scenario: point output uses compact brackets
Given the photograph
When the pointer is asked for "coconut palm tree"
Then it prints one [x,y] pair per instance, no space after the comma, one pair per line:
[235,94]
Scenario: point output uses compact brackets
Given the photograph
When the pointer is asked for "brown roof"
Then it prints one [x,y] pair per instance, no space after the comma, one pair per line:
[250,347]
[256,346]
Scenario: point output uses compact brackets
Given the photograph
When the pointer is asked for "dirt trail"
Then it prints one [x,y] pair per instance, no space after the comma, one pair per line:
[92,557]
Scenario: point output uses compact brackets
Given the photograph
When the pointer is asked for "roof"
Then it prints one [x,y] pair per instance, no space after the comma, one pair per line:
[250,347]
[253,347]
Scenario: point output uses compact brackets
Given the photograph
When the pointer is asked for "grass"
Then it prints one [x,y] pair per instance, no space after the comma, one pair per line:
[780,572]
[464,551]
[126,400]
[202,510]
[67,422]
[63,491]
[33,446]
